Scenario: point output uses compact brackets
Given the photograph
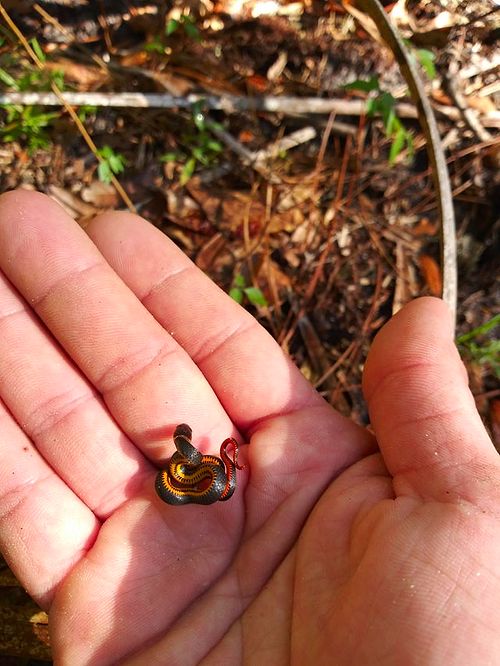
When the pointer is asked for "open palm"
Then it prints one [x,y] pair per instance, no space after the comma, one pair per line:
[329,552]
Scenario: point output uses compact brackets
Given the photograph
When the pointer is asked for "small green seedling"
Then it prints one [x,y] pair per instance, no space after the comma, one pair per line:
[200,146]
[112,163]
[239,291]
[384,104]
[187,23]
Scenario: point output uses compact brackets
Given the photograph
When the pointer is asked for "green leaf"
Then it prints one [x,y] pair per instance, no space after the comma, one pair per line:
[13,110]
[190,28]
[106,152]
[214,146]
[200,155]
[38,49]
[371,107]
[85,111]
[117,163]
[480,330]
[364,85]
[57,76]
[239,281]
[255,296]
[172,26]
[104,172]
[154,46]
[213,125]
[236,294]
[169,157]
[187,171]
[397,145]
[426,59]
[8,79]
[391,122]
[384,104]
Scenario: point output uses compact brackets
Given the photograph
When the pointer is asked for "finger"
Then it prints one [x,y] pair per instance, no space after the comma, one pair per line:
[40,542]
[61,413]
[424,416]
[247,369]
[148,382]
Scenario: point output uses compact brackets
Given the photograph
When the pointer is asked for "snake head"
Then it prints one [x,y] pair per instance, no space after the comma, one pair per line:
[183,430]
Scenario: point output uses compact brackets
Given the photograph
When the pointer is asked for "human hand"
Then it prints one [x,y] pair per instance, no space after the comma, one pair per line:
[328,552]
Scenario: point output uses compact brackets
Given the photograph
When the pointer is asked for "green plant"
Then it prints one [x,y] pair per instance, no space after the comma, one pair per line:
[200,146]
[239,290]
[426,58]
[187,23]
[384,103]
[112,163]
[28,124]
[184,22]
[487,353]
[85,111]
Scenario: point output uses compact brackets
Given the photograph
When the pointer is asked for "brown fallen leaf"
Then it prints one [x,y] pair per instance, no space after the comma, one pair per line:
[425,227]
[431,273]
[102,195]
[240,212]
[71,203]
[439,96]
[481,104]
[85,76]
[209,251]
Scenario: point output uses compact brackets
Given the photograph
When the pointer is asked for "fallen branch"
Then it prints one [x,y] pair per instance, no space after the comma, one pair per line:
[227,103]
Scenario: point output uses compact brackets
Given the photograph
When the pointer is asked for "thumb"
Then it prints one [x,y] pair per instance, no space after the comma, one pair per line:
[424,416]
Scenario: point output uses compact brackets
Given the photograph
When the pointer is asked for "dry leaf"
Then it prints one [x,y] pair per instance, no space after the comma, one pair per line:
[439,96]
[365,22]
[209,251]
[72,204]
[246,136]
[257,83]
[102,195]
[481,104]
[425,227]
[39,618]
[85,76]
[432,274]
